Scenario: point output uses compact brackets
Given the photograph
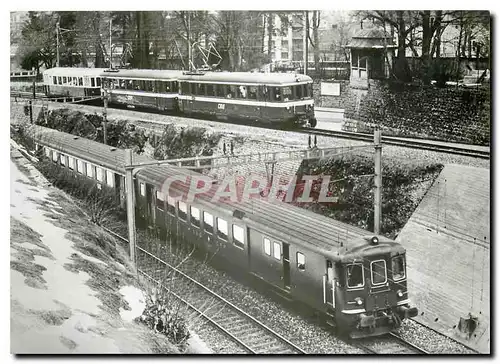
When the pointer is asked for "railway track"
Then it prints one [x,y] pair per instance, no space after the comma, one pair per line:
[390,344]
[250,334]
[402,142]
[448,148]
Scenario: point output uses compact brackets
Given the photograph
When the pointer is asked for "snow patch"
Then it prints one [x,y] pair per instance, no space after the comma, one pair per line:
[136,301]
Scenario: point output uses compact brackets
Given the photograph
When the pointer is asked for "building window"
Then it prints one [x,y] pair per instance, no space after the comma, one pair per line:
[301,261]
[378,271]
[238,236]
[222,228]
[110,181]
[208,222]
[355,276]
[160,200]
[182,210]
[267,246]
[71,163]
[142,188]
[284,55]
[99,174]
[195,216]
[277,250]
[170,205]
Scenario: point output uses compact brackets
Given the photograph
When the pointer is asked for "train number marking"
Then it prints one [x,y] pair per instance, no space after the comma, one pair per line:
[221,106]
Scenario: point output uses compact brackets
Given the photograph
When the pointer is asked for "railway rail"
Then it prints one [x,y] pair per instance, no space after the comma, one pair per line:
[437,146]
[390,344]
[247,332]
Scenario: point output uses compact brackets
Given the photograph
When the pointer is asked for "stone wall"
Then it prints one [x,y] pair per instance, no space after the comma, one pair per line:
[451,114]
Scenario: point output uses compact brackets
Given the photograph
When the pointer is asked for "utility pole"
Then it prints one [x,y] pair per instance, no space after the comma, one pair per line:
[105,116]
[304,42]
[377,203]
[57,44]
[110,46]
[129,190]
[189,40]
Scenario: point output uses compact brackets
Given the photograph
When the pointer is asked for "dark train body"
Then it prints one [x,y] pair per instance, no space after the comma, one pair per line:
[357,280]
[277,99]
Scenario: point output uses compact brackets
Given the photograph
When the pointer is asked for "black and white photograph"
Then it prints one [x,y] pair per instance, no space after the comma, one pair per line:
[265,182]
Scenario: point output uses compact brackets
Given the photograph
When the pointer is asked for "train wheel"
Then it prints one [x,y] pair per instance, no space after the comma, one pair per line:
[313,122]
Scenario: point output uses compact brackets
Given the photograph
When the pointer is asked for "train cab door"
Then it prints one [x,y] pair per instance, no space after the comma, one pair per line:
[329,285]
[286,266]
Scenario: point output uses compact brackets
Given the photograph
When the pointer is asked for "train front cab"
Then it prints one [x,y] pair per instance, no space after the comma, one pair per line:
[369,291]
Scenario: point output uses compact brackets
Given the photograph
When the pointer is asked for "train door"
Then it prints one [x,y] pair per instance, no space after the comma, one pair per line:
[329,285]
[286,266]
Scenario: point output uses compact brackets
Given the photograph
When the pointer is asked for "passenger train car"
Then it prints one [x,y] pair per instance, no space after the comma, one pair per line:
[278,99]
[357,280]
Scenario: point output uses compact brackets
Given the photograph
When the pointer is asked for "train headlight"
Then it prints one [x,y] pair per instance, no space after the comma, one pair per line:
[359,301]
[374,240]
[399,293]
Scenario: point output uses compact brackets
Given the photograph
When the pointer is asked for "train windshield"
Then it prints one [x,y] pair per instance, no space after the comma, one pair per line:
[398,267]
[379,272]
[355,277]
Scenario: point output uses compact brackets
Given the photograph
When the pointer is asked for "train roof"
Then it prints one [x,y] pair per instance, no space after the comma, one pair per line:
[73,71]
[143,73]
[329,237]
[247,78]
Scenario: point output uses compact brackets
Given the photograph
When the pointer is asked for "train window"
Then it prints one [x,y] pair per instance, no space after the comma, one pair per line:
[142,189]
[379,272]
[71,163]
[47,152]
[65,80]
[195,216]
[242,92]
[221,90]
[231,94]
[301,261]
[201,89]
[222,228]
[355,276]
[110,181]
[398,267]
[277,250]
[276,94]
[80,81]
[252,92]
[185,88]
[287,93]
[136,85]
[54,80]
[129,84]
[267,246]
[54,156]
[99,175]
[90,170]
[238,236]
[170,205]
[97,81]
[298,91]
[79,166]
[175,86]
[208,222]
[210,90]
[160,200]
[182,210]
[92,82]
[63,159]
[59,80]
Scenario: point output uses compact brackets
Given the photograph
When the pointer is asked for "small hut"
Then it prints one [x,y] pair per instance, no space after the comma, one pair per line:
[371,54]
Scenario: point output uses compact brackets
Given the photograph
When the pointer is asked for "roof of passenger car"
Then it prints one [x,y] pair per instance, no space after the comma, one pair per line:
[73,71]
[247,78]
[294,224]
[142,73]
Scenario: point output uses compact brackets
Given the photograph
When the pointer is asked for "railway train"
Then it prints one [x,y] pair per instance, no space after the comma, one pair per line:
[356,280]
[273,98]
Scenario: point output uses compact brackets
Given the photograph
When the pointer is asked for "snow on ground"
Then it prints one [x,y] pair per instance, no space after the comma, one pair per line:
[53,308]
[136,301]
